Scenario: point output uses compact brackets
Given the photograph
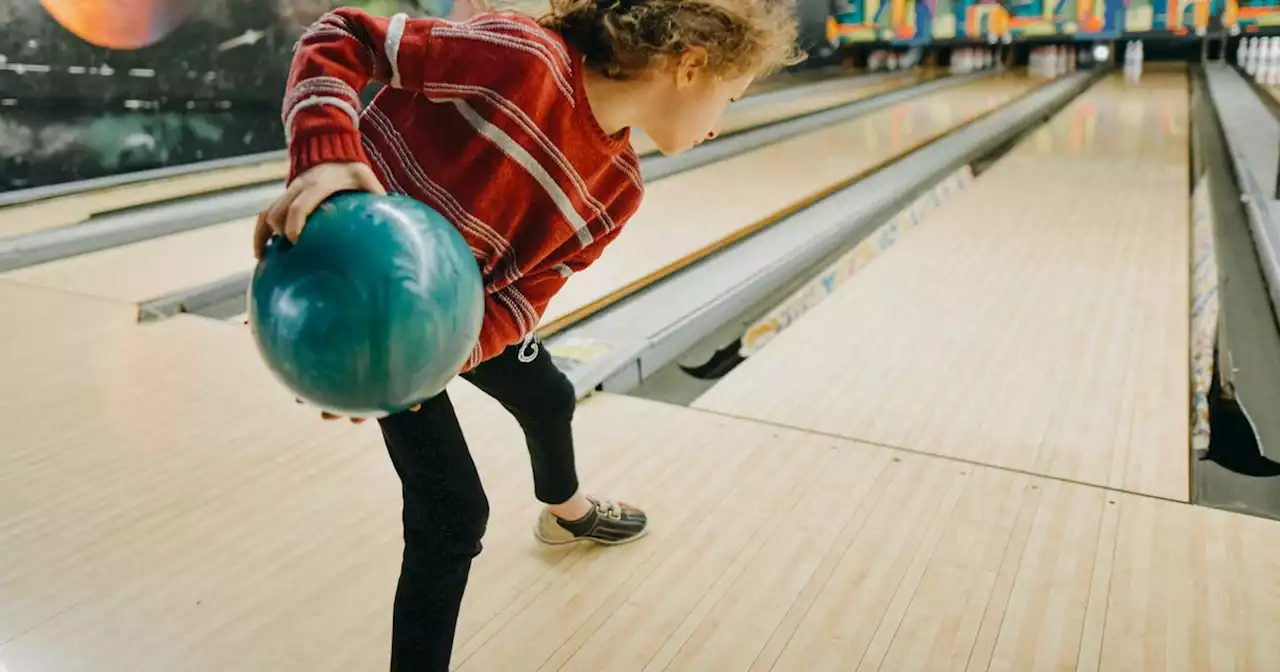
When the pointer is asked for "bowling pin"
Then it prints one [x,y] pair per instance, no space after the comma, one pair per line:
[1260,60]
[1271,65]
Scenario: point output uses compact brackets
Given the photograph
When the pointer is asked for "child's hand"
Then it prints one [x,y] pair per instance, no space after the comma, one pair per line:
[308,190]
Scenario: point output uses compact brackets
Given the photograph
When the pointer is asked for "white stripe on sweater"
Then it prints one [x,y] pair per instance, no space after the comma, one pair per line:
[537,49]
[393,186]
[314,86]
[395,31]
[521,156]
[530,313]
[628,168]
[501,22]
[474,359]
[544,143]
[332,25]
[517,314]
[313,102]
[461,218]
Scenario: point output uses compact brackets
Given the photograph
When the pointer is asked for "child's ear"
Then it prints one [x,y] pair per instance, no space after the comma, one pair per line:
[691,65]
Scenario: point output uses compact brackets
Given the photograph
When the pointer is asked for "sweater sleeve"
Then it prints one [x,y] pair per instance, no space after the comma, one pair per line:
[512,313]
[335,59]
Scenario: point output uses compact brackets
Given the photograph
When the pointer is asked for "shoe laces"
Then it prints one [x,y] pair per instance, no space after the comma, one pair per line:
[610,509]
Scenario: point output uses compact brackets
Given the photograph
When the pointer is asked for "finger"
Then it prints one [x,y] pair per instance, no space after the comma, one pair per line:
[328,416]
[300,209]
[276,213]
[261,234]
[298,400]
[357,421]
[369,182]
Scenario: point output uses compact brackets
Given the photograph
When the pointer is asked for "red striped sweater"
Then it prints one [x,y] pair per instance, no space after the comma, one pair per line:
[485,121]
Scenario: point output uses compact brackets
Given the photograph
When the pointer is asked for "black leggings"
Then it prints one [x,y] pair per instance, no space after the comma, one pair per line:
[445,508]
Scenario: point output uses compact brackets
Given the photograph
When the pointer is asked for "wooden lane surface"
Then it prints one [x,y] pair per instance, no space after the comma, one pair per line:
[707,208]
[149,269]
[75,208]
[1039,321]
[154,268]
[16,220]
[171,509]
[1273,91]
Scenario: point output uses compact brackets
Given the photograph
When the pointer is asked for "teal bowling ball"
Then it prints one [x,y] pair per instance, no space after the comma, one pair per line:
[375,309]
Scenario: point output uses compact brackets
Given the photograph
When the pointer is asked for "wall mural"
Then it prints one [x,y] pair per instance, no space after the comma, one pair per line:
[90,88]
[912,22]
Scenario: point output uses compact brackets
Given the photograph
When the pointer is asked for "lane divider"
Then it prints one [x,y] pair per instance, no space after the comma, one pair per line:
[823,285]
[1204,311]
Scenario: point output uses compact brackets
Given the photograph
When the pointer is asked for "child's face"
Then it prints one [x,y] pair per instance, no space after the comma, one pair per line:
[689,108]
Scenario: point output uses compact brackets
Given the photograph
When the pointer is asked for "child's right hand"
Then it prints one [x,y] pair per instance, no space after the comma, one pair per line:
[288,214]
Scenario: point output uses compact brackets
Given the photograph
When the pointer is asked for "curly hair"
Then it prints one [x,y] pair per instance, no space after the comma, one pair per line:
[624,38]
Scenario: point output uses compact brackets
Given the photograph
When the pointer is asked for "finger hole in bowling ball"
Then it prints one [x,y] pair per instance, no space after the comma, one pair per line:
[278,243]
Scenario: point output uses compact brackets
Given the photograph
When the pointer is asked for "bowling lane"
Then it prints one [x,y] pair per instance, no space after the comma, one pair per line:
[16,220]
[152,268]
[155,268]
[1038,321]
[702,210]
[173,510]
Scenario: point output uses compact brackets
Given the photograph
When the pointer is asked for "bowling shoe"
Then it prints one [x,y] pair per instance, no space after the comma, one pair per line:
[609,523]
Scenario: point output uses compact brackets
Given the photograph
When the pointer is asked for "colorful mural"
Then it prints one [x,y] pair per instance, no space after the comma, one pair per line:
[1251,15]
[913,22]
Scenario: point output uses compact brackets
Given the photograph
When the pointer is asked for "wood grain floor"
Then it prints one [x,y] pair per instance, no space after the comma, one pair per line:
[163,505]
[1039,321]
[75,208]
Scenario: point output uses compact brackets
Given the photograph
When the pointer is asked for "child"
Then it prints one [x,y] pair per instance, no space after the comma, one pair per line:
[517,131]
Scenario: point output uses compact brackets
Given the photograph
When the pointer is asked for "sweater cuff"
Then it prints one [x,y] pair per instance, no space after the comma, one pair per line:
[306,153]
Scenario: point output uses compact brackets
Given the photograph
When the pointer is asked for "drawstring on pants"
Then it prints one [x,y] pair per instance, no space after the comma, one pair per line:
[528,349]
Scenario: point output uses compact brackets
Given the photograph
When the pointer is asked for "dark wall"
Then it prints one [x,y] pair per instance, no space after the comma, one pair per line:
[235,50]
[207,86]
[812,16]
